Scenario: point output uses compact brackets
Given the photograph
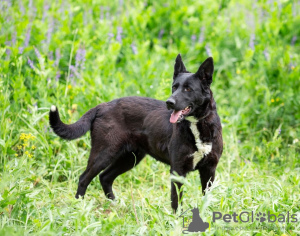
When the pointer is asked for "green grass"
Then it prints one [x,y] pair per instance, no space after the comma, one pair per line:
[256,86]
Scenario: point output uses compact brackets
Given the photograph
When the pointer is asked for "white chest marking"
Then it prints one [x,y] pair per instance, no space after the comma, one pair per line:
[203,148]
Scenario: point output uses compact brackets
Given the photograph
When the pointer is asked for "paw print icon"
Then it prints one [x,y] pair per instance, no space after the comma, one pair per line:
[261,217]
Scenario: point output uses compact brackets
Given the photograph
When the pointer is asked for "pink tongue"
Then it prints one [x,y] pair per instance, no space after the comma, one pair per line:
[174,116]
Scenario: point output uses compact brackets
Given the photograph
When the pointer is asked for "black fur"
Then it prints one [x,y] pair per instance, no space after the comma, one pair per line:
[75,130]
[124,130]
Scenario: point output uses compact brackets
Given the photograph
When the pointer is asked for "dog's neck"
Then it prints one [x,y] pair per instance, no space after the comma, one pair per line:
[204,111]
[193,119]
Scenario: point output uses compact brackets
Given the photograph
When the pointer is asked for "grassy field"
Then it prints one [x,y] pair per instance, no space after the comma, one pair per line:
[77,54]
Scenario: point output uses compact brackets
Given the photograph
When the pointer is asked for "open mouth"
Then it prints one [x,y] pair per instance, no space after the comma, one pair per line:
[178,116]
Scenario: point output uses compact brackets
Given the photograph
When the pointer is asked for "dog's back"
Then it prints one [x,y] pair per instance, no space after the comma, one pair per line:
[128,123]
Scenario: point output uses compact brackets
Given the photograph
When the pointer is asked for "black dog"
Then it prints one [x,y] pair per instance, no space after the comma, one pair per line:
[124,130]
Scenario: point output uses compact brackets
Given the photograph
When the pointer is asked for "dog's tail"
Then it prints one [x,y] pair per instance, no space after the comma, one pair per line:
[72,131]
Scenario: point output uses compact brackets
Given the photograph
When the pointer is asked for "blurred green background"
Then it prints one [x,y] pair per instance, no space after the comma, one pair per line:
[77,54]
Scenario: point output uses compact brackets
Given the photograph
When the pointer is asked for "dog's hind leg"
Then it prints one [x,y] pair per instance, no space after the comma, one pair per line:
[124,163]
[97,162]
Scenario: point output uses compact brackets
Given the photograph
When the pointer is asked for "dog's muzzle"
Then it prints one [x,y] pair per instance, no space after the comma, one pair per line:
[170,103]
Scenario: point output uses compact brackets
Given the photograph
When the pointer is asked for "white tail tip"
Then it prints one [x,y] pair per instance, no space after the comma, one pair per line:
[53,108]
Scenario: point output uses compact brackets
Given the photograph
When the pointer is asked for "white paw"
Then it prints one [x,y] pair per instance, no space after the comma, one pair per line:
[53,108]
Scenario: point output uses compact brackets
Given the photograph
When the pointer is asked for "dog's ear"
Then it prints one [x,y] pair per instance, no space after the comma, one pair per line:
[179,66]
[206,70]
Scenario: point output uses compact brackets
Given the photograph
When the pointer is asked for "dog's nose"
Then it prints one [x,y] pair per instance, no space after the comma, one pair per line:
[170,103]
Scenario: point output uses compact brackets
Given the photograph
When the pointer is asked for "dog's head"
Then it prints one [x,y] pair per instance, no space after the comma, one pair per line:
[190,91]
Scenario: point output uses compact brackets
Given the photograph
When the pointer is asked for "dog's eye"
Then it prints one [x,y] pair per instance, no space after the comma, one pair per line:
[187,89]
[174,88]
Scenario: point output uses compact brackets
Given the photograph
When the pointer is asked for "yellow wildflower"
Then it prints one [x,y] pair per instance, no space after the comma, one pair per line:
[19,147]
[238,71]
[69,86]
[28,154]
[272,100]
[277,99]
[22,136]
[33,147]
[30,136]
[69,112]
[74,107]
[16,154]
[292,67]
[25,144]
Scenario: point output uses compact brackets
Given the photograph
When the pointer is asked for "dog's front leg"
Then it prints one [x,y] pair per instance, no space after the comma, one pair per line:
[174,195]
[176,187]
[207,171]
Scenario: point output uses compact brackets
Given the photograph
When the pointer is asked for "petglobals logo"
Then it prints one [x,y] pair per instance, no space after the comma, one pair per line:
[246,217]
[192,221]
